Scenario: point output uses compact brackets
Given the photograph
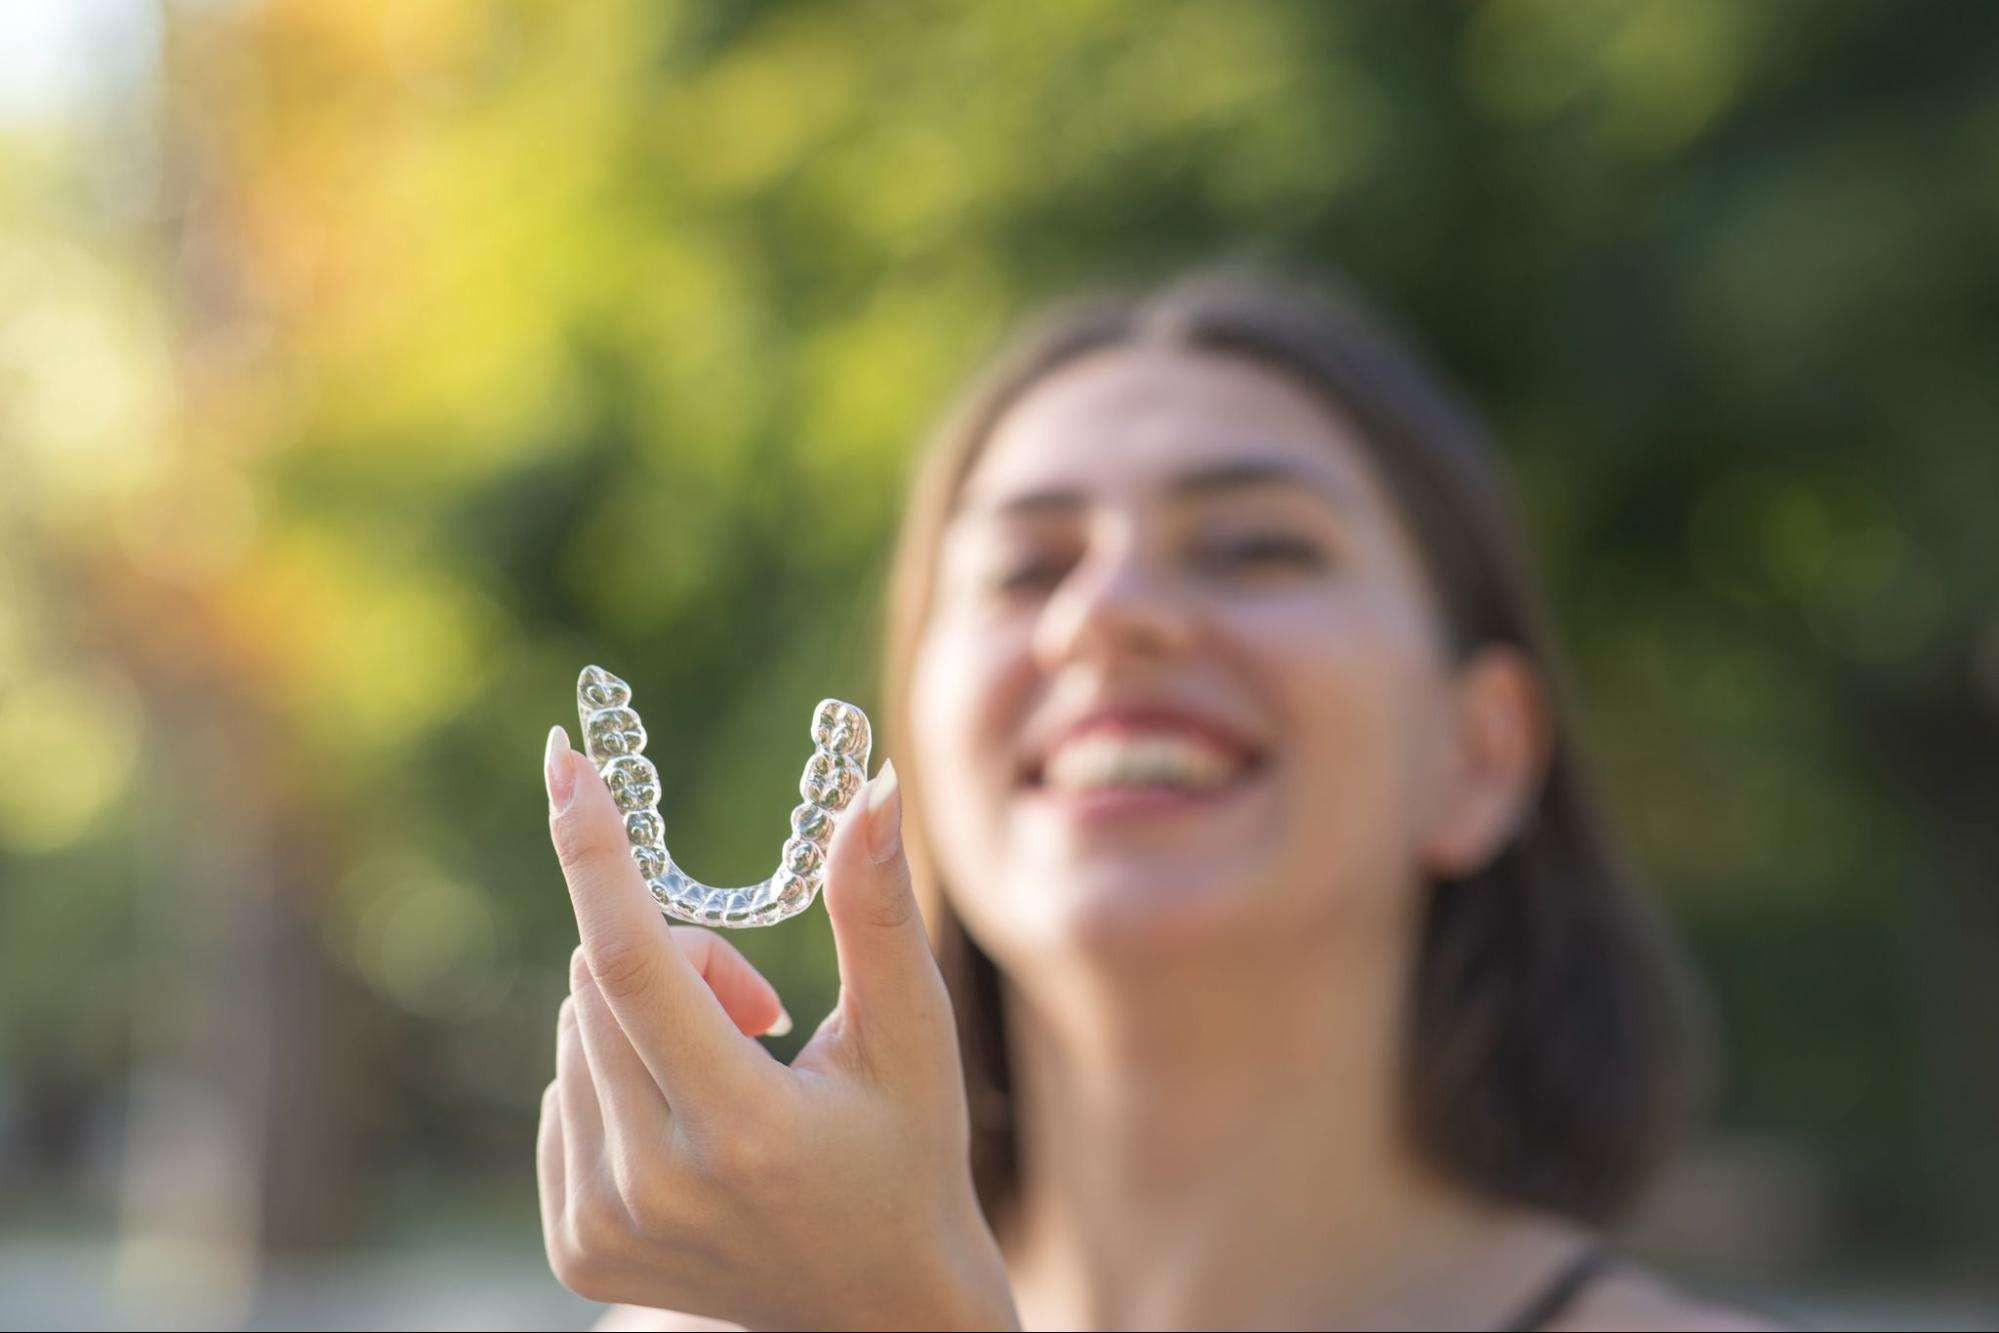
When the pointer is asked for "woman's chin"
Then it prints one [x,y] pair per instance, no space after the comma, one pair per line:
[1117,868]
[1109,906]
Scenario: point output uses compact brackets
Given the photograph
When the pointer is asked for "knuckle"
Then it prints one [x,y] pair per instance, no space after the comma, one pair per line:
[654,1206]
[597,1223]
[579,968]
[636,1181]
[561,1261]
[893,909]
[623,966]
[747,1159]
[735,1161]
[581,1273]
[699,944]
[887,899]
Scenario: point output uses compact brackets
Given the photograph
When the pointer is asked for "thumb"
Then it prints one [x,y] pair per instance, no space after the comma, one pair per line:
[891,994]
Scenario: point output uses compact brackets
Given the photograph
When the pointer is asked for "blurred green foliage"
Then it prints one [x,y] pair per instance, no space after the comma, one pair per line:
[397,359]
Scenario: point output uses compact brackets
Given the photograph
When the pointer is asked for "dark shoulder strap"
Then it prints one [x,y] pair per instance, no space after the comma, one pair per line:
[1561,1291]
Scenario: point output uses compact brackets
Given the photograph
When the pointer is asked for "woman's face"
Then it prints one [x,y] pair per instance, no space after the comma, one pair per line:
[1182,676]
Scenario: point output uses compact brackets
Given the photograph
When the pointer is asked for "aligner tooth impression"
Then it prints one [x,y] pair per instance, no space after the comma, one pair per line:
[614,737]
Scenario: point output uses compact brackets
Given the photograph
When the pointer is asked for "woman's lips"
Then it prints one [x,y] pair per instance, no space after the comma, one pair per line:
[1105,805]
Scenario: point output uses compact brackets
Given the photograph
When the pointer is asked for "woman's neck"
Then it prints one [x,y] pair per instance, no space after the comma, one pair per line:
[1215,1141]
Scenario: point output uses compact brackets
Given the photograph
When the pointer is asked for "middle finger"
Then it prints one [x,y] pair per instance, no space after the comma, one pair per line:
[635,1114]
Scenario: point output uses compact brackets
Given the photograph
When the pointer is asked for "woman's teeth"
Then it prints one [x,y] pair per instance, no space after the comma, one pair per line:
[1138,761]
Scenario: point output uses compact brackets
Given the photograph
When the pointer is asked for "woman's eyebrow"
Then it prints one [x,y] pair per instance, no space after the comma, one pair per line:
[1208,479]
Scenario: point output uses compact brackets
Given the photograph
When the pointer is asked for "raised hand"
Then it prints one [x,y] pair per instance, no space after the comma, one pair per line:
[682,1167]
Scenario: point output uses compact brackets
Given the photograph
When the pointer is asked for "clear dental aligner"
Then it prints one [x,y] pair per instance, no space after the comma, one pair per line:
[613,737]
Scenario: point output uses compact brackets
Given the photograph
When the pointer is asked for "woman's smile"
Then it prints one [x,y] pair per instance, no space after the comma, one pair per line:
[1118,804]
[1141,762]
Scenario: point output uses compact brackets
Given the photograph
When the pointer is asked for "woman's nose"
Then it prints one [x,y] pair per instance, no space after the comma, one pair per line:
[1113,605]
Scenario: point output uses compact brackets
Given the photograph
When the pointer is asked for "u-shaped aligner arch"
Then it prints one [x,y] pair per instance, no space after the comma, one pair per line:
[614,738]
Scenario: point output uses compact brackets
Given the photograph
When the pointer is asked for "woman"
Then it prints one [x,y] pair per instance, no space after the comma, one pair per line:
[1270,929]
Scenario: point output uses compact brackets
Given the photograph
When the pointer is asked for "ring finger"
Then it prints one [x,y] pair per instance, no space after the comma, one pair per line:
[634,1112]
[548,1165]
[582,1118]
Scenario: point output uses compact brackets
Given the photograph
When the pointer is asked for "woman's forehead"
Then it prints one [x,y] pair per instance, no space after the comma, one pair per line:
[1128,423]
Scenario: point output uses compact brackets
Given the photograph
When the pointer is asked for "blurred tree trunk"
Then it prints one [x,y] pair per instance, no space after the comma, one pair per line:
[235,1137]
[239,1138]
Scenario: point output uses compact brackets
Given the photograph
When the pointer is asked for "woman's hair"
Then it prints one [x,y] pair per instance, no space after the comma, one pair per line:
[1547,1060]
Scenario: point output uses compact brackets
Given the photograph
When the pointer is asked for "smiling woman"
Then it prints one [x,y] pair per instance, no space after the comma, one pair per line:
[1237,757]
[1545,1051]
[1294,981]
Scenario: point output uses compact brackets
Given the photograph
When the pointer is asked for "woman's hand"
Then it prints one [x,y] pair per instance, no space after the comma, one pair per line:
[682,1167]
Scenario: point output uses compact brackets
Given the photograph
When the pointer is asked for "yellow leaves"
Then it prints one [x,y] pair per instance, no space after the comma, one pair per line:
[360,645]
[195,526]
[430,235]
[87,387]
[759,110]
[869,385]
[69,742]
[904,185]
[388,36]
[453,328]
[691,316]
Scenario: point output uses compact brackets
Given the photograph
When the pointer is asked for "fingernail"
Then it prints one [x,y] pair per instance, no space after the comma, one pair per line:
[781,1028]
[557,769]
[884,813]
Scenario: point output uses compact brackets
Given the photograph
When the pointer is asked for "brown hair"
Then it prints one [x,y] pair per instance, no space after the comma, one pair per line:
[1548,1057]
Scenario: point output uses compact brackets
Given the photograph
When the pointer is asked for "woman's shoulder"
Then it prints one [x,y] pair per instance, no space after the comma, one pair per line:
[1627,1297]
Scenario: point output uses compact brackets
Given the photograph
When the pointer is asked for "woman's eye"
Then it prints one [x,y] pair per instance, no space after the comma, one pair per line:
[1029,574]
[1251,551]
[1041,573]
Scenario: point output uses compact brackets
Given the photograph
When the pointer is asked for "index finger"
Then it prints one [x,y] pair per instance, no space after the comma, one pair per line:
[688,1042]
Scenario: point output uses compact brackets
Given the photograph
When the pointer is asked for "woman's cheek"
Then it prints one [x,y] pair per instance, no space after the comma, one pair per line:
[1349,683]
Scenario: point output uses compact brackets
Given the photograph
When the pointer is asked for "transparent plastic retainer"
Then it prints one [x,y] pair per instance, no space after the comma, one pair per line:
[614,738]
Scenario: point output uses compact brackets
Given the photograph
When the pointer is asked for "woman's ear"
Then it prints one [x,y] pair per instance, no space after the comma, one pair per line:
[1499,752]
